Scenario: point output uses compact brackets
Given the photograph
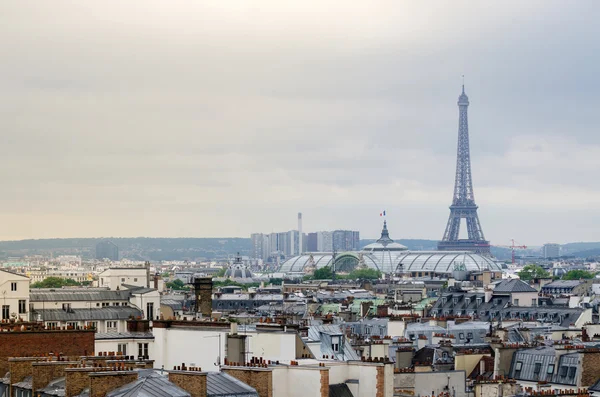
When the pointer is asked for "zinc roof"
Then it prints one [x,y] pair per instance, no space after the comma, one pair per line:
[104,313]
[153,385]
[221,384]
[72,295]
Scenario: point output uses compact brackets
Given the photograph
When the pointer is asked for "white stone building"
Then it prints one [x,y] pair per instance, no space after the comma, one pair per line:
[14,292]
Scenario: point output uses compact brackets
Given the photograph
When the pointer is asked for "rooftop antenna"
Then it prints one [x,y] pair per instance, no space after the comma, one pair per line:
[463,83]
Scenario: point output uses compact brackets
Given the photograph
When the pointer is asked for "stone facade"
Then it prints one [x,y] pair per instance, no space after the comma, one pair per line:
[45,371]
[103,382]
[260,379]
[590,367]
[192,382]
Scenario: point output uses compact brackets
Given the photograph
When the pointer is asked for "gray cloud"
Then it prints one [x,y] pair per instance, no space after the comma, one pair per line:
[222,118]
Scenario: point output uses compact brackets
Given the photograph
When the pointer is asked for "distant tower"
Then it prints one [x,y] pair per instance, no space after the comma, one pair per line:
[463,202]
[299,233]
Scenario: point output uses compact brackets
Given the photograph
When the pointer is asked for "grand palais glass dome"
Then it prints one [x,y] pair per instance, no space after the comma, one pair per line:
[391,258]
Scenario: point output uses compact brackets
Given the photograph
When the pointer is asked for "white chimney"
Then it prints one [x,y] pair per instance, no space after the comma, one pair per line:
[299,233]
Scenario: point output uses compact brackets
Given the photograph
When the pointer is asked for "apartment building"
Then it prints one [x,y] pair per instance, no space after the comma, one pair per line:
[15,296]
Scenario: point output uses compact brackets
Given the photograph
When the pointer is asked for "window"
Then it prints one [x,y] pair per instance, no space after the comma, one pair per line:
[101,281]
[368,330]
[563,371]
[142,350]
[22,306]
[51,325]
[66,306]
[470,335]
[135,279]
[518,365]
[122,348]
[104,304]
[13,286]
[537,368]
[122,280]
[72,324]
[516,302]
[97,304]
[550,369]
[149,310]
[5,312]
[572,371]
[93,324]
[111,326]
[461,336]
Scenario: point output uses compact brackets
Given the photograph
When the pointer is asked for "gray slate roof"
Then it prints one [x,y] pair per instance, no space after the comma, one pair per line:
[73,295]
[153,385]
[104,313]
[124,335]
[513,285]
[221,384]
[340,390]
[56,387]
[563,284]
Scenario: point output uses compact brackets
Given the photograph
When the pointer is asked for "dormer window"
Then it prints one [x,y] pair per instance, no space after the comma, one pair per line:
[335,343]
[467,301]
[478,301]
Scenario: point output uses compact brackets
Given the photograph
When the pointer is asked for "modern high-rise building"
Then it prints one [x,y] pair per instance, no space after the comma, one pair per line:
[261,246]
[312,242]
[550,250]
[107,250]
[324,241]
[345,240]
[300,235]
[266,246]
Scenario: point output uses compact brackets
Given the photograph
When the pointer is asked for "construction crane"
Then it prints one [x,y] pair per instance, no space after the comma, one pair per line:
[514,246]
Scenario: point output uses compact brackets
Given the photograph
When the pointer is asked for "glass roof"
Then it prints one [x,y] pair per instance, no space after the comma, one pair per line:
[391,261]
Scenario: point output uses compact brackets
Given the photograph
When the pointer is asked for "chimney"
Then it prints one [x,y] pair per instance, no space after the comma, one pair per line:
[194,382]
[103,382]
[236,348]
[44,372]
[299,233]
[156,278]
[147,266]
[260,379]
[203,291]
[99,383]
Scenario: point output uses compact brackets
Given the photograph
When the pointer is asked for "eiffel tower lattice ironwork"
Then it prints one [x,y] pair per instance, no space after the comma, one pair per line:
[463,203]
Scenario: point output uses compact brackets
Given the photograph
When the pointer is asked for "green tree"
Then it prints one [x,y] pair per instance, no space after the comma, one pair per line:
[577,274]
[364,274]
[55,282]
[323,273]
[221,272]
[176,284]
[532,271]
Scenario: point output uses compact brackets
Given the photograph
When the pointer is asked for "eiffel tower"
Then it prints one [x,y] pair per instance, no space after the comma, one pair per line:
[463,202]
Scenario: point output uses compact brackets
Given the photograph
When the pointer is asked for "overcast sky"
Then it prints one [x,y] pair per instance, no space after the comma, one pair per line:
[221,118]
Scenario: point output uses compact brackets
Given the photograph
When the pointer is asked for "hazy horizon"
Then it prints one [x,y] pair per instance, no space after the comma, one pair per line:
[196,118]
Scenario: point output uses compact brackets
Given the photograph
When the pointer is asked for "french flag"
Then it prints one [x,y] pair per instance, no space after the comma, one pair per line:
[382,214]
